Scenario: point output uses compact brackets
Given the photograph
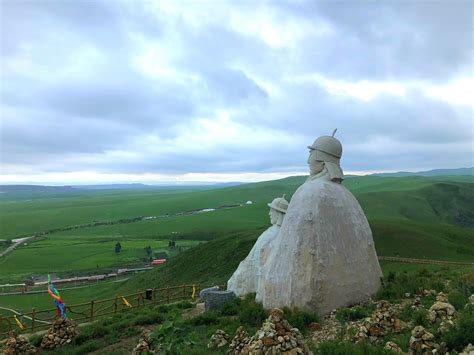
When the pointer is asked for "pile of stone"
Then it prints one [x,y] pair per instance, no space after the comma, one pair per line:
[383,321]
[218,340]
[18,344]
[329,329]
[61,332]
[468,350]
[441,310]
[416,305]
[240,343]
[442,297]
[422,342]
[145,344]
[276,336]
[390,345]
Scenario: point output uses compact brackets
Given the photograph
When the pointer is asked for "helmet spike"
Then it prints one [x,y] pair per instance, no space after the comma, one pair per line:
[333,133]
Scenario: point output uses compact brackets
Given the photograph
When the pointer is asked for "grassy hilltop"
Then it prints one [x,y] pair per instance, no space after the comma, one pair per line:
[401,211]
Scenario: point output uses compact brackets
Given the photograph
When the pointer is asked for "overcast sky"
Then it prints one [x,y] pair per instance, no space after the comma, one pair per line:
[154,91]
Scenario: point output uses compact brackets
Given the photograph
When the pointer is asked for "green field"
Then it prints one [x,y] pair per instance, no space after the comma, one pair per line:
[417,217]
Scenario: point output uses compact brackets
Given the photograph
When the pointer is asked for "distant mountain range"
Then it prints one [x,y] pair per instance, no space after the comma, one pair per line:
[435,172]
[200,184]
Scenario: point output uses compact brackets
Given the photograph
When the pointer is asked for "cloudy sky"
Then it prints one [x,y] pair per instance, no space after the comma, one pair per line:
[153,91]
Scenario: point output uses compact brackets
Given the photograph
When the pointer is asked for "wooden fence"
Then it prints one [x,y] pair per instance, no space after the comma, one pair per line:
[90,311]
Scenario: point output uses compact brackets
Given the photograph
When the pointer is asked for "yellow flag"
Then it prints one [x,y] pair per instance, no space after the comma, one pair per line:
[126,302]
[19,323]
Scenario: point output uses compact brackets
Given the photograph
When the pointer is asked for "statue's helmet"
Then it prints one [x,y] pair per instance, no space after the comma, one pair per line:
[327,148]
[279,204]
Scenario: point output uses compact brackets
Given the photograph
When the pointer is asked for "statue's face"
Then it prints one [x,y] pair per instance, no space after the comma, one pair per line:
[315,166]
[274,215]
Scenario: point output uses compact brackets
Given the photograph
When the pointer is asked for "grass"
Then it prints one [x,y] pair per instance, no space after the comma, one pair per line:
[61,254]
[409,217]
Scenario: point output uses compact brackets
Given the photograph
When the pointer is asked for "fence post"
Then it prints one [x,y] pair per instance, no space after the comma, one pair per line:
[184,291]
[33,318]
[92,310]
[168,294]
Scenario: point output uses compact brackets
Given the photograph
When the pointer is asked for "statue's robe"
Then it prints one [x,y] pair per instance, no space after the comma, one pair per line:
[246,278]
[324,255]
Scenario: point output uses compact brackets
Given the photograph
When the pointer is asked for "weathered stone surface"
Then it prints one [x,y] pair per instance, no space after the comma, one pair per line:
[441,310]
[247,276]
[246,279]
[18,344]
[240,343]
[422,342]
[61,332]
[205,290]
[390,345]
[216,299]
[146,344]
[219,339]
[324,249]
[276,336]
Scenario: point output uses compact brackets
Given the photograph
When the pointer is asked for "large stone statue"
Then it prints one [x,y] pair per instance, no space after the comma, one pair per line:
[246,278]
[324,255]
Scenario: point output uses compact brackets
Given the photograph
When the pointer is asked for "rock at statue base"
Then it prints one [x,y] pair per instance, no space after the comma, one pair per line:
[61,332]
[18,344]
[216,299]
[206,290]
[324,256]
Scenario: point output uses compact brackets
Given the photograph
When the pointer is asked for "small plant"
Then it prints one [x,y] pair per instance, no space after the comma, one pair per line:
[344,315]
[419,317]
[457,299]
[207,318]
[300,319]
[463,333]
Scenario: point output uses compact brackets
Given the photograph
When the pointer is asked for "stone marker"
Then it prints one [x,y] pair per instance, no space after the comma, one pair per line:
[216,299]
[324,255]
[205,290]
[246,279]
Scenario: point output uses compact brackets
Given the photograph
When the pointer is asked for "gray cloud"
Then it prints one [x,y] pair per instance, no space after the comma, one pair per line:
[75,95]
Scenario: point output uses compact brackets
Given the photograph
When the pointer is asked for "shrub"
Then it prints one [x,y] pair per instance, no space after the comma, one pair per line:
[207,318]
[150,318]
[231,308]
[457,299]
[36,340]
[98,331]
[463,333]
[419,317]
[251,313]
[300,319]
[351,314]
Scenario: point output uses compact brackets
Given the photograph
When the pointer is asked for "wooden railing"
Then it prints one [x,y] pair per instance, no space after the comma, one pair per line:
[90,311]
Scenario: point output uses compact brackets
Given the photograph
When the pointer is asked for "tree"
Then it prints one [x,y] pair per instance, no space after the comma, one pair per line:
[118,248]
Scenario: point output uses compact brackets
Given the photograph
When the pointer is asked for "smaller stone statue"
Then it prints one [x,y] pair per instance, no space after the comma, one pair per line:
[246,278]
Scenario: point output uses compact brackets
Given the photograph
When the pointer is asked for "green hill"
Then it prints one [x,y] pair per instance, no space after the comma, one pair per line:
[394,205]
